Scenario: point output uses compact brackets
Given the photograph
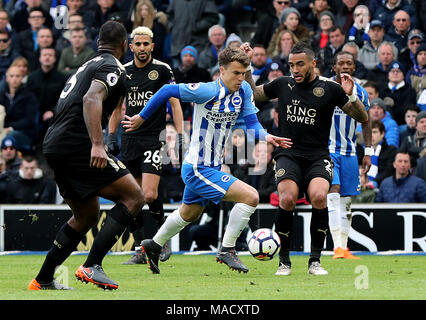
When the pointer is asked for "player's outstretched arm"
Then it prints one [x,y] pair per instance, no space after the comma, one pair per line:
[165,93]
[92,113]
[367,135]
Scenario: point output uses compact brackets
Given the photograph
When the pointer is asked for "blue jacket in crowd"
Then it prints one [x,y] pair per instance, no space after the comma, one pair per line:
[410,189]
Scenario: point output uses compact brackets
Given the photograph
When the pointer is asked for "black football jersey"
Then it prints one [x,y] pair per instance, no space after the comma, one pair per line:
[305,112]
[141,85]
[68,132]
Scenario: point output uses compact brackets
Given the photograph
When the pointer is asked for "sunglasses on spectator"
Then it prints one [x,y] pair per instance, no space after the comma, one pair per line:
[400,20]
[415,42]
[4,40]
[8,148]
[283,2]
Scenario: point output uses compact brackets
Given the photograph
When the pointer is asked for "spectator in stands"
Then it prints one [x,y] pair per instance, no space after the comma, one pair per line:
[320,38]
[344,14]
[326,54]
[281,51]
[368,54]
[378,112]
[269,22]
[146,16]
[416,76]
[402,187]
[259,173]
[409,128]
[371,88]
[27,39]
[408,56]
[10,155]
[101,14]
[387,54]
[259,62]
[190,21]
[189,72]
[382,159]
[233,41]
[22,20]
[401,93]
[358,33]
[7,53]
[421,166]
[415,144]
[75,21]
[73,57]
[312,19]
[21,109]
[389,8]
[74,7]
[398,33]
[47,84]
[208,56]
[5,26]
[30,186]
[290,19]
[171,185]
[274,69]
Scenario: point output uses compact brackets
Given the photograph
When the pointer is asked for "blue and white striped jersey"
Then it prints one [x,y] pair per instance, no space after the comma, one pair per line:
[215,112]
[343,128]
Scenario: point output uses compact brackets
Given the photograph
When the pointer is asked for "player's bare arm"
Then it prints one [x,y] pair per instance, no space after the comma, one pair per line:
[116,117]
[92,112]
[356,108]
[366,133]
[258,92]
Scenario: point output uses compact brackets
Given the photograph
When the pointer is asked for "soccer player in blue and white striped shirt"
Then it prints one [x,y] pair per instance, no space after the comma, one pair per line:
[342,148]
[217,107]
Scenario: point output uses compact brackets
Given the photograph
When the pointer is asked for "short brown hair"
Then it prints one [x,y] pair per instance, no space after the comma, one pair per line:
[229,55]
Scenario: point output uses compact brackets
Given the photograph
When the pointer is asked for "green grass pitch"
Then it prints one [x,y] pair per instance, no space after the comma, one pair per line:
[199,277]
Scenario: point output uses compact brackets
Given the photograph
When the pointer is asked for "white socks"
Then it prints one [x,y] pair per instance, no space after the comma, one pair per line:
[346,220]
[238,220]
[340,219]
[172,226]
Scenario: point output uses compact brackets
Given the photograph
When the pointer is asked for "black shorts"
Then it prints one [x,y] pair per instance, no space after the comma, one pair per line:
[148,161]
[77,180]
[302,169]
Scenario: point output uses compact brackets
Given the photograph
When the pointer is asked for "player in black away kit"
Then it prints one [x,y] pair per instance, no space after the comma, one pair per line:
[306,104]
[83,170]
[141,149]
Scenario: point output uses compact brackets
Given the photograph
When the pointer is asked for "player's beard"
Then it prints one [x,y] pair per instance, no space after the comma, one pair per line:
[147,57]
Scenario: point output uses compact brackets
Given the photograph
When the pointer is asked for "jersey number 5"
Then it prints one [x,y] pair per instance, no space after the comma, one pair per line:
[71,82]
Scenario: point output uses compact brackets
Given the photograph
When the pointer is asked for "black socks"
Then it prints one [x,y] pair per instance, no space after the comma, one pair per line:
[114,225]
[64,244]
[318,230]
[284,229]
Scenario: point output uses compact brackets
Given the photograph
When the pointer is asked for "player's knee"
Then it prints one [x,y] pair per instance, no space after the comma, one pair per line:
[135,204]
[252,197]
[150,196]
[287,201]
[318,199]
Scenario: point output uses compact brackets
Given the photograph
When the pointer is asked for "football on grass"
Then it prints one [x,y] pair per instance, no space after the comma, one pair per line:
[264,244]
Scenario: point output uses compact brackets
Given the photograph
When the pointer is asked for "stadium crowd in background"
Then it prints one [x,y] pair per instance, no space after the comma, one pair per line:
[387,38]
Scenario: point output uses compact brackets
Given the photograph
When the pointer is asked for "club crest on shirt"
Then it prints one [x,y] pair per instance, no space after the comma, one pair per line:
[225,178]
[318,92]
[280,173]
[153,75]
[236,101]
